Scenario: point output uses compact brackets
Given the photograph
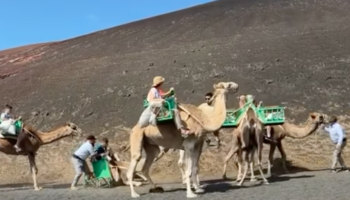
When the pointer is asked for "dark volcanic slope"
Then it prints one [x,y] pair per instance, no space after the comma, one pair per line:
[284,51]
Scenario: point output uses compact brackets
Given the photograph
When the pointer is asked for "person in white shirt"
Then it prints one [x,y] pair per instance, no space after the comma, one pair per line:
[79,159]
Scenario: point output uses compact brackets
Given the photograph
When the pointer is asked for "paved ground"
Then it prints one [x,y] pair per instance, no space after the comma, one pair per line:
[305,185]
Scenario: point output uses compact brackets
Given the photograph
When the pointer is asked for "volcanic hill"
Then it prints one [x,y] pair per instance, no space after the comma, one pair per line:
[286,52]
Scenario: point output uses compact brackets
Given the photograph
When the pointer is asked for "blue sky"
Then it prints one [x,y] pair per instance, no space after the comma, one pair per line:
[32,21]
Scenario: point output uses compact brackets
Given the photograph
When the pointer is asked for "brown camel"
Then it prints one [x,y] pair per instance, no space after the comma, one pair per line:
[251,132]
[279,133]
[32,144]
[167,135]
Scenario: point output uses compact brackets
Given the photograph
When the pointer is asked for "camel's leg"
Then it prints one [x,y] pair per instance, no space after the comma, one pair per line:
[195,176]
[234,149]
[34,170]
[270,161]
[141,176]
[284,157]
[217,138]
[190,157]
[252,175]
[239,171]
[181,166]
[246,164]
[136,142]
[151,152]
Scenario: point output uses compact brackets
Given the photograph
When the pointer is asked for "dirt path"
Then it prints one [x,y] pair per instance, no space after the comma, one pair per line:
[304,185]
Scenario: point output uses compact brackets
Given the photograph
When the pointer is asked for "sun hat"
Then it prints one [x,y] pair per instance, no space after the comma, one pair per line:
[157,80]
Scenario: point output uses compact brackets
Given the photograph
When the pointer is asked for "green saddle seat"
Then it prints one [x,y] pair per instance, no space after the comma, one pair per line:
[18,126]
[166,112]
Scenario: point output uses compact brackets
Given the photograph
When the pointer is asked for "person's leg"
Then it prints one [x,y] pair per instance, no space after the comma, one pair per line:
[335,159]
[340,158]
[21,137]
[268,131]
[184,131]
[79,168]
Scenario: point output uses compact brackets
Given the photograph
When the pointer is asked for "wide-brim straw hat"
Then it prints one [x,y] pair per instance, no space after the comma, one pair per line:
[158,80]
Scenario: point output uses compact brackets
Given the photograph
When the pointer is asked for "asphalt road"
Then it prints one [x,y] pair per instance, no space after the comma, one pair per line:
[305,185]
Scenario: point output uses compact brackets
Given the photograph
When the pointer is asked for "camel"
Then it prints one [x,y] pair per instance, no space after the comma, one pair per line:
[168,136]
[280,132]
[251,132]
[32,144]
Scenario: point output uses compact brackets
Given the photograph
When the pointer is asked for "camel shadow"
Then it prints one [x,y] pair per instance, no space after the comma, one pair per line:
[218,185]
[277,168]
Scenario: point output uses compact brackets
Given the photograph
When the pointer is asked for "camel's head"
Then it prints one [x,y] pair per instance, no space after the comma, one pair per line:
[319,118]
[223,87]
[74,129]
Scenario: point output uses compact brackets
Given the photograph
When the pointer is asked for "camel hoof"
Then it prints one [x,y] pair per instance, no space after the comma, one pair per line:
[202,186]
[156,190]
[239,184]
[253,179]
[38,188]
[224,177]
[192,195]
[135,195]
[266,182]
[199,190]
[137,184]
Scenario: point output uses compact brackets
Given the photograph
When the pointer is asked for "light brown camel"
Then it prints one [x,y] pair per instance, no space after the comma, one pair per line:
[168,136]
[251,132]
[279,133]
[32,144]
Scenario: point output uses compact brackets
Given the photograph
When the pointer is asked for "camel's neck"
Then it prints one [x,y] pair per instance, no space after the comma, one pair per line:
[214,119]
[295,131]
[52,136]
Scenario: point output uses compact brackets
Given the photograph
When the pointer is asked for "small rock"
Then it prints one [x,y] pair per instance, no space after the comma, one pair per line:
[174,61]
[269,81]
[125,71]
[277,60]
[151,64]
[35,113]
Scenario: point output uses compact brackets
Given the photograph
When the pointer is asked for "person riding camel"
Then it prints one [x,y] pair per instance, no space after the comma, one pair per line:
[8,124]
[156,92]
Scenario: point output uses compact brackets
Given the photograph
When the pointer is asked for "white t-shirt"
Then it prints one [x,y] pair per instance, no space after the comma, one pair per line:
[5,116]
[85,150]
[155,92]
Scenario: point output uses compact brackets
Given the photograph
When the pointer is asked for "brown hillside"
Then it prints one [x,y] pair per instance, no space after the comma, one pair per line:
[295,53]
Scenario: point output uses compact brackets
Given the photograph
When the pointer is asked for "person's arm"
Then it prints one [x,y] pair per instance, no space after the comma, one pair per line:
[3,118]
[91,150]
[112,154]
[340,135]
[167,94]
